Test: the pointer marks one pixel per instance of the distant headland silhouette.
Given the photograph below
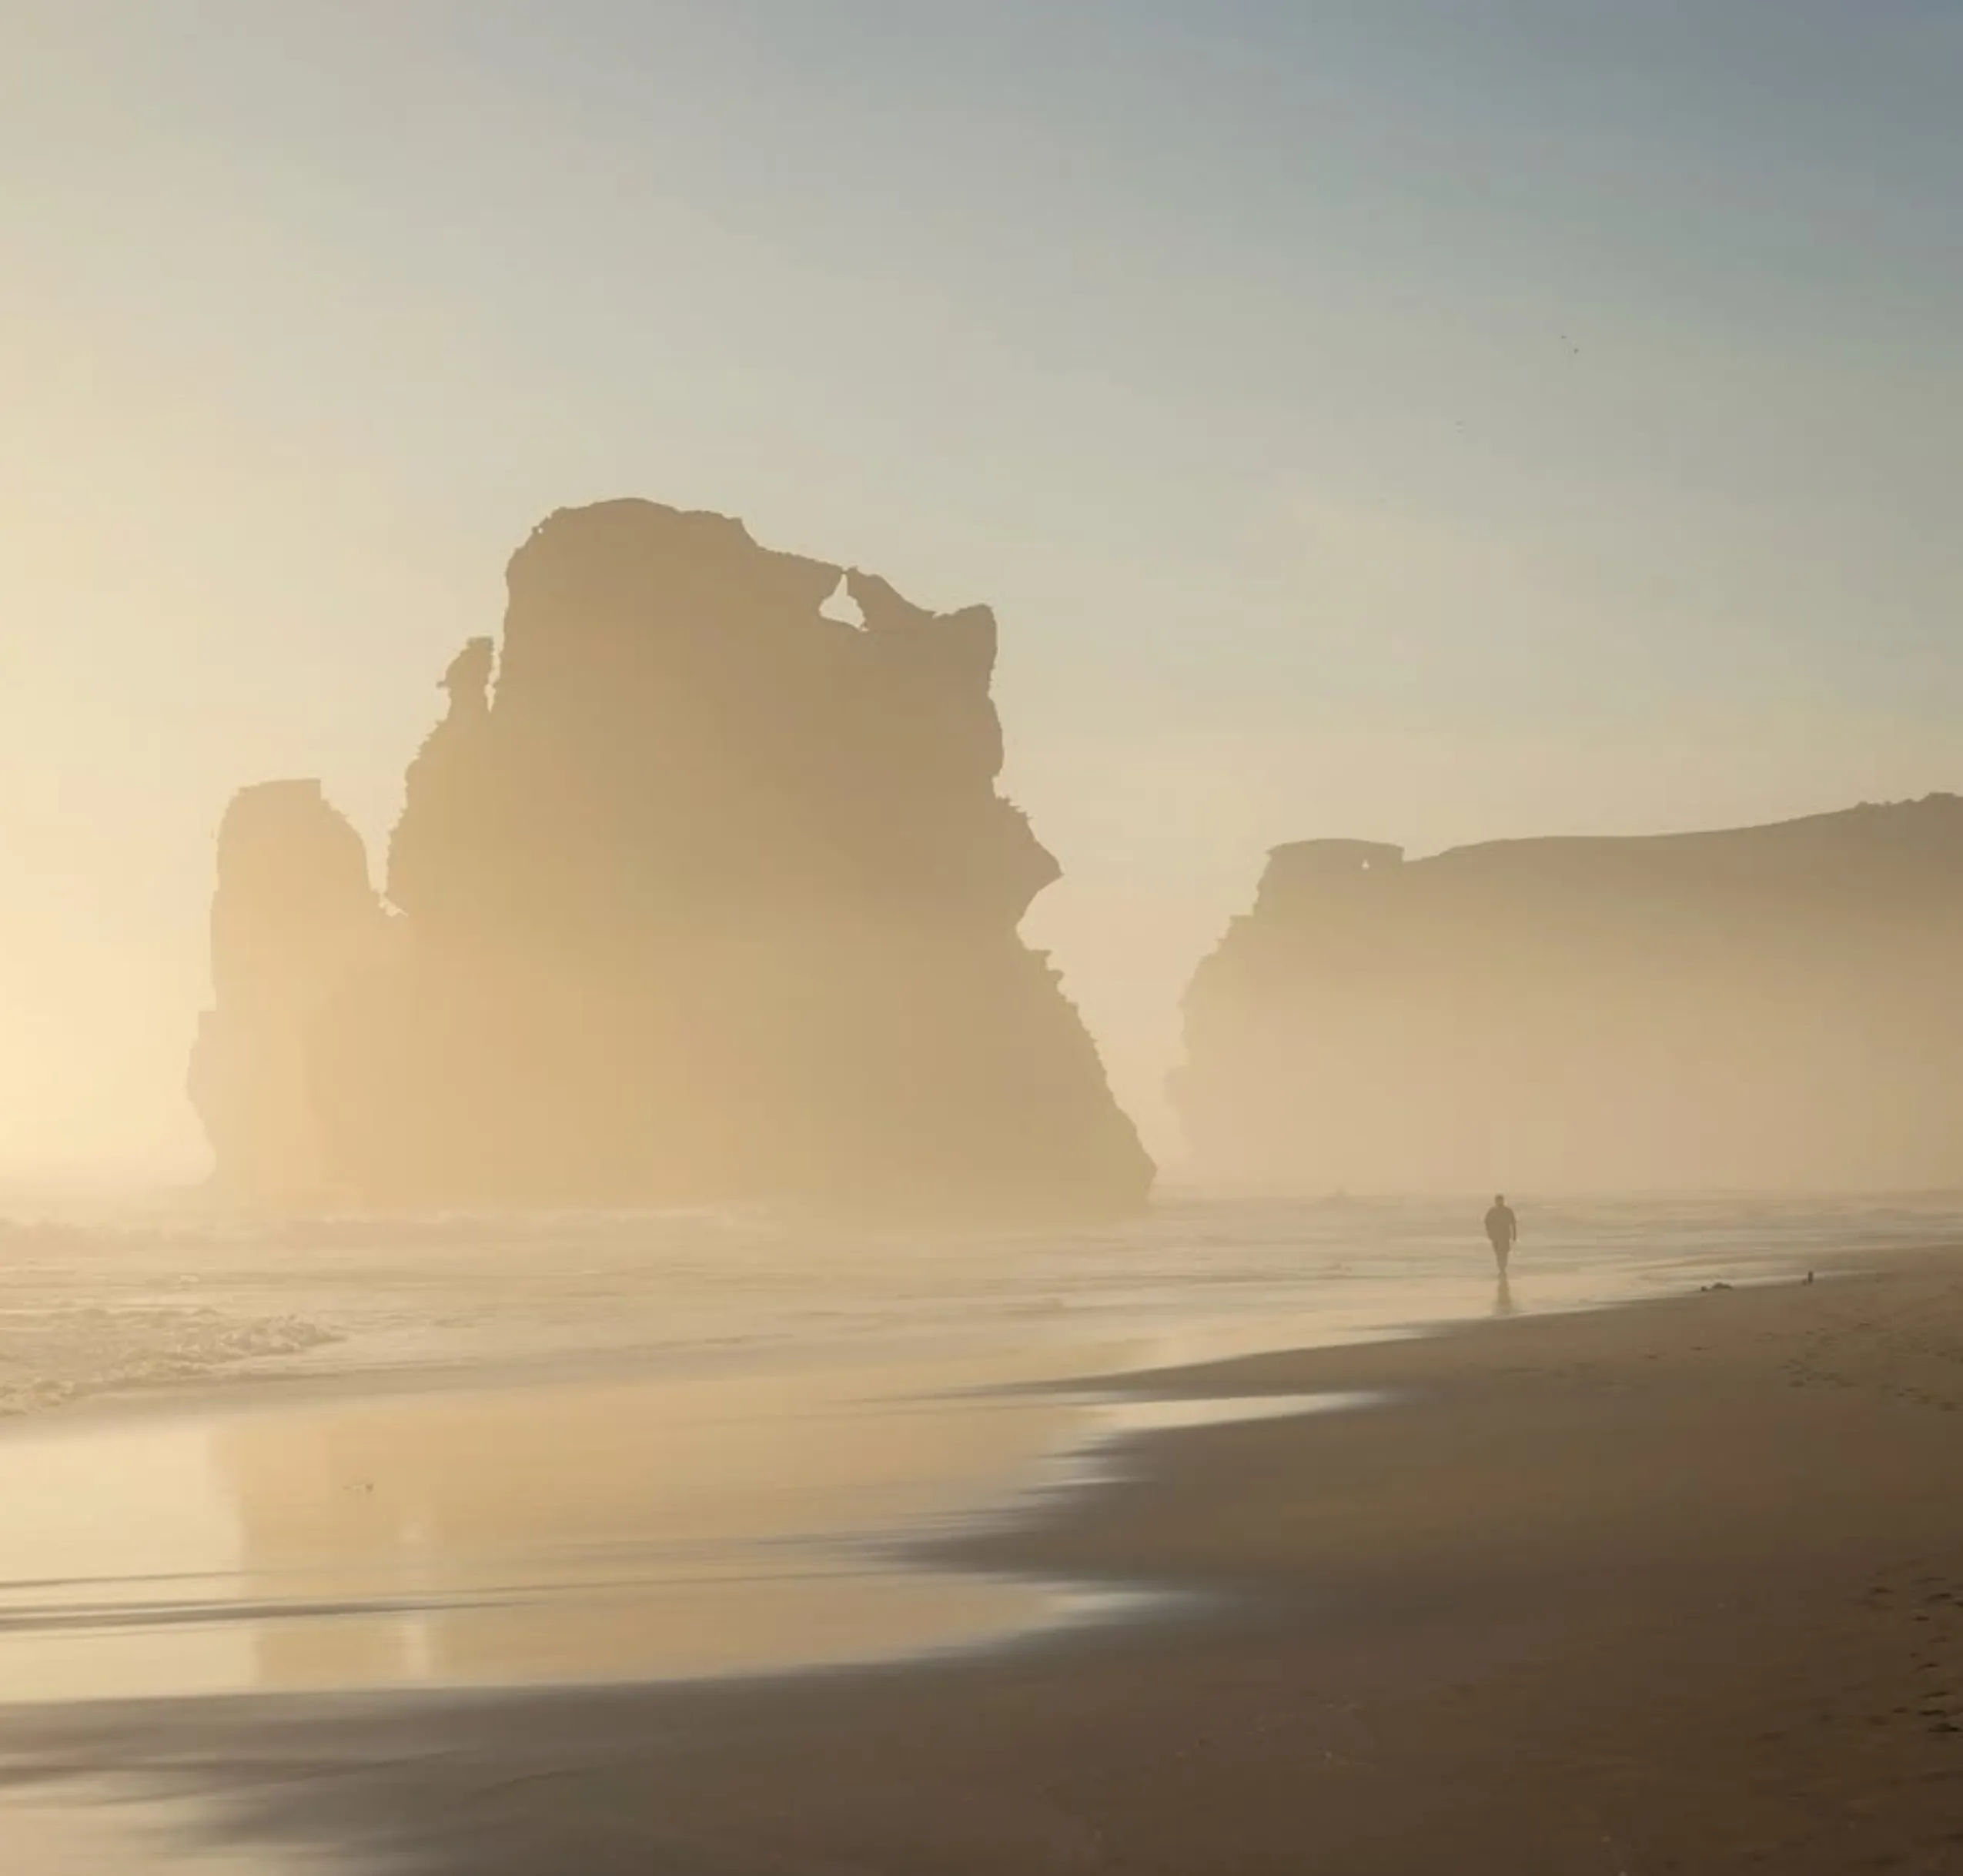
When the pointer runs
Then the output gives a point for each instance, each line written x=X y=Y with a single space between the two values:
x=700 y=893
x=1765 y=1008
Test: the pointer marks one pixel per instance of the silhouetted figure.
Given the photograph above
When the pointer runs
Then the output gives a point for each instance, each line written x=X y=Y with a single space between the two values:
x=1502 y=1228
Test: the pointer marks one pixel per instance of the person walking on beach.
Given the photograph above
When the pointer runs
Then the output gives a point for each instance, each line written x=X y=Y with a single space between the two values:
x=1502 y=1228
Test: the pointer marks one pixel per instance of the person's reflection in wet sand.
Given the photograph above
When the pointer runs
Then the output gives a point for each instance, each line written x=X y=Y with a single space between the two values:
x=1502 y=1297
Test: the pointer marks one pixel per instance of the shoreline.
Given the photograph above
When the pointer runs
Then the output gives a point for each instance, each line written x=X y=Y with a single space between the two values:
x=1675 y=1587
x=317 y=1369
x=548 y=1524
x=167 y=1311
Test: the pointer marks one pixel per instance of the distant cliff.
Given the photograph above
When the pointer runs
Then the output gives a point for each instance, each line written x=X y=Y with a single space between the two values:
x=1775 y=1007
x=701 y=892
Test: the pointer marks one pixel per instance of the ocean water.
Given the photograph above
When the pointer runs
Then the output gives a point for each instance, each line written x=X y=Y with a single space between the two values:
x=134 y=1299
x=352 y=1454
x=361 y=1456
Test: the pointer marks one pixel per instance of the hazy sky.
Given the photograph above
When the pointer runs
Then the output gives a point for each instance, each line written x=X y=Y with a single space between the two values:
x=1418 y=420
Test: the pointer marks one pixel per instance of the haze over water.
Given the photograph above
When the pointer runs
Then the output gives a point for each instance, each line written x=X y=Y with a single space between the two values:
x=476 y=1452
x=1396 y=421
x=633 y=633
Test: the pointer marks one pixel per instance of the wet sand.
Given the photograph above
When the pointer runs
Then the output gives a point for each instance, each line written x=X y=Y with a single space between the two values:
x=1675 y=1587
x=518 y=1531
x=614 y=1518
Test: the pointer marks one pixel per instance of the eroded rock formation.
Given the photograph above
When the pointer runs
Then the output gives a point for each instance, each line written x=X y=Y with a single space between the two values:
x=701 y=894
x=1760 y=1008
x=294 y=916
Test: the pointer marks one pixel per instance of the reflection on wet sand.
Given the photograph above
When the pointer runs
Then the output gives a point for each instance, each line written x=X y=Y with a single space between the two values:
x=542 y=1534
x=696 y=1524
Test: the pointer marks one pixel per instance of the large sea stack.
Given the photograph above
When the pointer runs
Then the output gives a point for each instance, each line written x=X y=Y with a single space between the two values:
x=700 y=893
x=1762 y=1008
x=295 y=917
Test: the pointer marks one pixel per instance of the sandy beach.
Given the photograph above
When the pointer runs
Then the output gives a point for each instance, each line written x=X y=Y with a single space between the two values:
x=1678 y=1587
x=1004 y=939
